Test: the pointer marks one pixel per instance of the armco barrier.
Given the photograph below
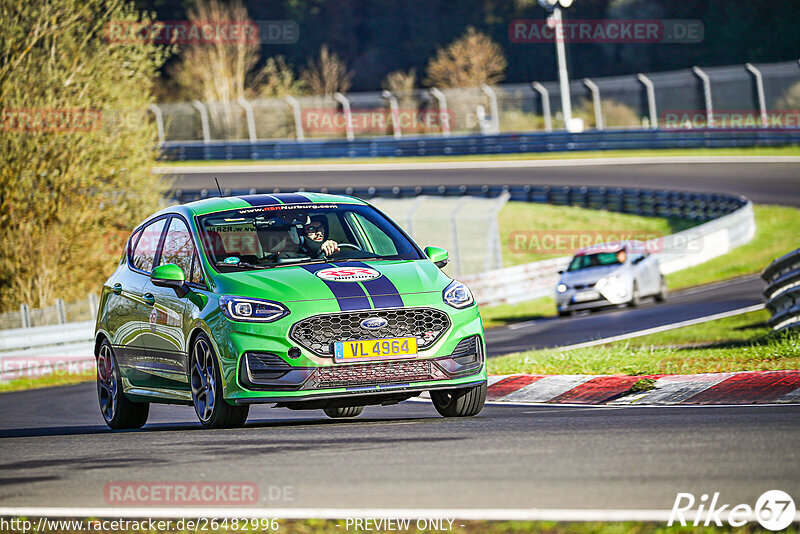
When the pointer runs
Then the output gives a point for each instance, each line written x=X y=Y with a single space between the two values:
x=727 y=222
x=513 y=143
x=29 y=352
x=783 y=291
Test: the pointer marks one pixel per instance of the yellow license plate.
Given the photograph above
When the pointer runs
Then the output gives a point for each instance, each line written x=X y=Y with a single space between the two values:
x=374 y=349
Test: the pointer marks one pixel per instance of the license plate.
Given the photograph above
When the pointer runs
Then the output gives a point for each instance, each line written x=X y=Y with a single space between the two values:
x=583 y=296
x=374 y=349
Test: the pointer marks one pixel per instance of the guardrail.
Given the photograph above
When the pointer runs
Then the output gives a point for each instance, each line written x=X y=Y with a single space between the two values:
x=783 y=291
x=27 y=352
x=727 y=221
x=511 y=143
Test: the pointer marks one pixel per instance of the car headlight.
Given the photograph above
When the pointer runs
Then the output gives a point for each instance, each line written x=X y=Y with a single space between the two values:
x=253 y=310
x=457 y=295
x=561 y=288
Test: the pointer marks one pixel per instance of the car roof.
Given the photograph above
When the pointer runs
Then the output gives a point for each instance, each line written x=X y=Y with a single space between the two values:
x=612 y=246
x=216 y=204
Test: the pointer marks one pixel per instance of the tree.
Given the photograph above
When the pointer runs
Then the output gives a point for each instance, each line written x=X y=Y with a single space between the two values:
x=76 y=145
x=469 y=61
x=327 y=75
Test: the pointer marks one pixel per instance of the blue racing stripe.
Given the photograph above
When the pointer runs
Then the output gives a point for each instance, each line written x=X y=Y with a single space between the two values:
x=291 y=198
x=382 y=291
x=260 y=200
x=349 y=295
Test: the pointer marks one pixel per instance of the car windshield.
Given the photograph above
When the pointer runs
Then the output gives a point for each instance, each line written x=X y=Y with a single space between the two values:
x=273 y=236
x=587 y=261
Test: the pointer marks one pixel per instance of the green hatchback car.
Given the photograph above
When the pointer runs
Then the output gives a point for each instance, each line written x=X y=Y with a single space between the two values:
x=299 y=300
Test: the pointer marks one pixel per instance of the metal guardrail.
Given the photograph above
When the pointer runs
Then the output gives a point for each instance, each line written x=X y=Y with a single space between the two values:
x=513 y=143
x=783 y=291
x=726 y=221
x=36 y=351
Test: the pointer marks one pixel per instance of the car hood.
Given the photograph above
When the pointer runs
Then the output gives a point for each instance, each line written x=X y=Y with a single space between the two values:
x=301 y=283
x=589 y=276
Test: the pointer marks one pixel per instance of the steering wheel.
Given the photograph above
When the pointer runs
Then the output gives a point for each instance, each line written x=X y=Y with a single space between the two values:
x=349 y=245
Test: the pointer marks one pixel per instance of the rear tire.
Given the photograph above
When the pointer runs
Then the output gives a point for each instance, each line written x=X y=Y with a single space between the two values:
x=118 y=411
x=636 y=297
x=661 y=296
x=463 y=402
x=343 y=412
x=564 y=313
x=207 y=395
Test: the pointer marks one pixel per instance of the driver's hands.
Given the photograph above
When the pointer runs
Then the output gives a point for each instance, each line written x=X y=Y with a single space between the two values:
x=330 y=247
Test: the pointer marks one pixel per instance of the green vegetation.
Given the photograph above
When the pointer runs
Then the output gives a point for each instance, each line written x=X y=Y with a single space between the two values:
x=74 y=168
x=47 y=380
x=672 y=152
x=741 y=343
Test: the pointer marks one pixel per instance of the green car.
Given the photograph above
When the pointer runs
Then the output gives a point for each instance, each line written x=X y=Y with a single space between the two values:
x=299 y=300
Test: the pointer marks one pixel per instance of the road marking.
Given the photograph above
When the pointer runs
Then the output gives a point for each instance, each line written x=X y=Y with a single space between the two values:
x=662 y=328
x=469 y=514
x=468 y=165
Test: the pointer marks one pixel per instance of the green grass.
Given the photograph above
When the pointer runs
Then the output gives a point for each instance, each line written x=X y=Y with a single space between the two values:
x=754 y=151
x=777 y=228
x=741 y=343
x=47 y=380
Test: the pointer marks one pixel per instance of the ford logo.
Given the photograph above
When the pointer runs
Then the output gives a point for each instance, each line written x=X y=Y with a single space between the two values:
x=374 y=323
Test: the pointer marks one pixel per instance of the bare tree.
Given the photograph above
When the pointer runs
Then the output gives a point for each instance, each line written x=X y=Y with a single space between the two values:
x=469 y=61
x=400 y=82
x=328 y=74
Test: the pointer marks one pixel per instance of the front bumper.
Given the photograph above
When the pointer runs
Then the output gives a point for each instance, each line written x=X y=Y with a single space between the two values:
x=257 y=366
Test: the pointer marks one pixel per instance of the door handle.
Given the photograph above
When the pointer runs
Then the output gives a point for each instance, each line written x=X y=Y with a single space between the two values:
x=149 y=299
x=117 y=289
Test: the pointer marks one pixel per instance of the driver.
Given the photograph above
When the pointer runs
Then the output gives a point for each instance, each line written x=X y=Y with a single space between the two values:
x=316 y=233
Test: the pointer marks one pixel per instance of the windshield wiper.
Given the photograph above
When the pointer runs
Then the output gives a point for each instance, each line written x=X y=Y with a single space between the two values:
x=241 y=264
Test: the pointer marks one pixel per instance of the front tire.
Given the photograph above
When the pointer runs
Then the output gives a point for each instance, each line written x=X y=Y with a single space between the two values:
x=118 y=411
x=341 y=413
x=463 y=402
x=207 y=395
x=661 y=296
x=636 y=297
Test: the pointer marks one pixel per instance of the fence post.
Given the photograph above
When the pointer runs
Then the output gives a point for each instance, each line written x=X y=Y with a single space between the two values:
x=298 y=120
x=348 y=117
x=159 y=122
x=199 y=106
x=762 y=105
x=651 y=99
x=545 y=94
x=251 y=121
x=25 y=315
x=493 y=251
x=395 y=108
x=706 y=94
x=410 y=214
x=454 y=235
x=61 y=311
x=598 y=111
x=492 y=107
x=93 y=305
x=444 y=118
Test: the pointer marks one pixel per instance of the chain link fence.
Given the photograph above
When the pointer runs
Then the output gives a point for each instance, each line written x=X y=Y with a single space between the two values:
x=60 y=312
x=677 y=99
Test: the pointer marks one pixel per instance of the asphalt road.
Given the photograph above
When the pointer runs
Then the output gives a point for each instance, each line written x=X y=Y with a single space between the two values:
x=680 y=306
x=55 y=451
x=765 y=183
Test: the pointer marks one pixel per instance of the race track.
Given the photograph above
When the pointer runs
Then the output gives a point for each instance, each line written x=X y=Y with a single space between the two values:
x=55 y=451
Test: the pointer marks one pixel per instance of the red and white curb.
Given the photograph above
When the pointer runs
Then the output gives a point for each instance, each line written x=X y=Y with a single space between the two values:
x=748 y=387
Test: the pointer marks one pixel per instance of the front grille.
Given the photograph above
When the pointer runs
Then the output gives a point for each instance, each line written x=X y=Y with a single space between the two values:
x=375 y=373
x=318 y=333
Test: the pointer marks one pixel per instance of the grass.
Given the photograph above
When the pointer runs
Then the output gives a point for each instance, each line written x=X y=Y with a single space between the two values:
x=741 y=343
x=752 y=151
x=777 y=228
x=55 y=378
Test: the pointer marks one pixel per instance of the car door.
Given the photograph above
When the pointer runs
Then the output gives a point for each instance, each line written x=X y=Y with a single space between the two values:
x=130 y=337
x=165 y=339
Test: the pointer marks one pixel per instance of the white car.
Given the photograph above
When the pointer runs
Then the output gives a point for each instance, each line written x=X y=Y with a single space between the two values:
x=611 y=274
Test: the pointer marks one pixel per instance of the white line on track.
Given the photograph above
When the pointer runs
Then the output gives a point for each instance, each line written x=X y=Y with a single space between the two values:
x=467 y=165
x=662 y=328
x=501 y=514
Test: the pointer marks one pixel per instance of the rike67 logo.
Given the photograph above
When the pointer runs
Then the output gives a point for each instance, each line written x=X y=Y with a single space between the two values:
x=774 y=510
x=348 y=274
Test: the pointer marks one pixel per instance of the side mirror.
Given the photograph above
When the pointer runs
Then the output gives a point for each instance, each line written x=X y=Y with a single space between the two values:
x=561 y=272
x=170 y=275
x=638 y=260
x=438 y=256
